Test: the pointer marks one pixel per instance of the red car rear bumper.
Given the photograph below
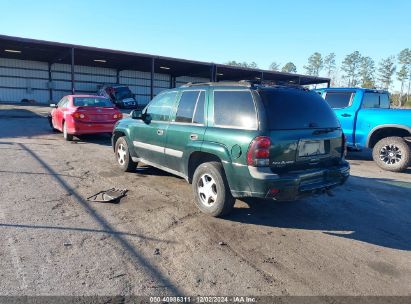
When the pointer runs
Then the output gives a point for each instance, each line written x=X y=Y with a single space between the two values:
x=79 y=128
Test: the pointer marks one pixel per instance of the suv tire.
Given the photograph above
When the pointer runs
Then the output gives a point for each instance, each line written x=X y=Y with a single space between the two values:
x=123 y=157
x=211 y=191
x=67 y=136
x=392 y=154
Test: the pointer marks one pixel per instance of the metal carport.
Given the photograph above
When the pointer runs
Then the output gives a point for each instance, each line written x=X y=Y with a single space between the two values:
x=156 y=72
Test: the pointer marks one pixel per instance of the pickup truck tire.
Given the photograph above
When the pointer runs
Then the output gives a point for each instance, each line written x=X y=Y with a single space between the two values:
x=392 y=154
x=211 y=191
x=123 y=158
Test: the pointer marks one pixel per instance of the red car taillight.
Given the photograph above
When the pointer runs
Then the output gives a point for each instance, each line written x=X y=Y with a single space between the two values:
x=344 y=145
x=258 y=154
x=78 y=115
x=118 y=116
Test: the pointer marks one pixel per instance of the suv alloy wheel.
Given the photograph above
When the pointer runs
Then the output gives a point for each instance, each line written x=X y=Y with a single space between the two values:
x=123 y=157
x=211 y=190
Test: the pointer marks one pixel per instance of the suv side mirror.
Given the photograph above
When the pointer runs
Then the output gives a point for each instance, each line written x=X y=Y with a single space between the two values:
x=53 y=105
x=137 y=114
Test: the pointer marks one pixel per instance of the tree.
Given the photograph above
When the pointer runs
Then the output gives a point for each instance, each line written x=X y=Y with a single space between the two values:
x=385 y=72
x=274 y=66
x=233 y=62
x=405 y=59
x=315 y=64
x=252 y=65
x=367 y=70
x=289 y=67
x=329 y=64
x=402 y=76
x=350 y=66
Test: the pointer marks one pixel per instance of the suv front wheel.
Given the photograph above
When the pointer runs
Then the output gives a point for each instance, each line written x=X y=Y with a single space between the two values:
x=123 y=157
x=211 y=190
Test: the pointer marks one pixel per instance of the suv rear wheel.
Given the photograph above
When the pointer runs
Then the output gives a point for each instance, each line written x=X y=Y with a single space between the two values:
x=123 y=157
x=392 y=154
x=211 y=190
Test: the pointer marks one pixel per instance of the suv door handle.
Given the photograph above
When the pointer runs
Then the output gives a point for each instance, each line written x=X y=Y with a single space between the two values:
x=346 y=115
x=160 y=132
x=193 y=136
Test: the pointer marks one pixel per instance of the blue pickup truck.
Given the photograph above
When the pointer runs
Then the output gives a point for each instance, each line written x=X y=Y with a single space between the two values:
x=369 y=122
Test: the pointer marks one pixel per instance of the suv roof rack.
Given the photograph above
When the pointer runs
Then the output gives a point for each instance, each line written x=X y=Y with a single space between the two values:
x=220 y=83
x=248 y=83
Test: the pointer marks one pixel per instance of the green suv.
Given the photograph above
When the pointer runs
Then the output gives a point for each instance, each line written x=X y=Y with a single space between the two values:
x=232 y=140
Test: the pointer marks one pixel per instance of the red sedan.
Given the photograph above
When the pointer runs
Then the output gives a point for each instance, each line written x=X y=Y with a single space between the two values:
x=83 y=114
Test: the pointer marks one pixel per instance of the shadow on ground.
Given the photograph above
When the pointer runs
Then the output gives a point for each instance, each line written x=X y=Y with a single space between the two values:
x=365 y=155
x=139 y=260
x=376 y=211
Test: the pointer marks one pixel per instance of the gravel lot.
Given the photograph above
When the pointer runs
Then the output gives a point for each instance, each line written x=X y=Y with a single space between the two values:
x=54 y=242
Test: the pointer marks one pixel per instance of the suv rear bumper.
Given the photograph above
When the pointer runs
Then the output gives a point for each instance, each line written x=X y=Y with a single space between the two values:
x=293 y=185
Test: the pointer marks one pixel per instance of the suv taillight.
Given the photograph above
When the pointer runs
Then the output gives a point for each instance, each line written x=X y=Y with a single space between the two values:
x=344 y=145
x=258 y=154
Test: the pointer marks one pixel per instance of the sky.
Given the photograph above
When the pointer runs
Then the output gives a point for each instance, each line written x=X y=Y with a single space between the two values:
x=218 y=31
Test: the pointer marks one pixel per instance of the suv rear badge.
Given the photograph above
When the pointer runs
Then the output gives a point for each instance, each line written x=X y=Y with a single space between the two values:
x=283 y=163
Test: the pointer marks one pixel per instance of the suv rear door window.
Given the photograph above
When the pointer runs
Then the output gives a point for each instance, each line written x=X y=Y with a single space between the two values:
x=199 y=112
x=289 y=109
x=187 y=106
x=160 y=107
x=339 y=100
x=234 y=109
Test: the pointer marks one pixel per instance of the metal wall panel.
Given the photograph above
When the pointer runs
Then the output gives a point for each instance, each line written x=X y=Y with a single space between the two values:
x=139 y=83
x=16 y=63
x=16 y=95
x=29 y=79
x=185 y=79
x=57 y=95
x=23 y=79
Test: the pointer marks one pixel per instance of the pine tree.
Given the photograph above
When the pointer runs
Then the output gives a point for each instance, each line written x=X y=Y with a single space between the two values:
x=351 y=66
x=385 y=72
x=274 y=66
x=289 y=67
x=405 y=58
x=315 y=64
x=367 y=70
x=402 y=76
x=329 y=64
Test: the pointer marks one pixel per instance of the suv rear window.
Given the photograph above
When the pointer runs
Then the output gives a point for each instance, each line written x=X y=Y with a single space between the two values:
x=339 y=100
x=234 y=109
x=297 y=109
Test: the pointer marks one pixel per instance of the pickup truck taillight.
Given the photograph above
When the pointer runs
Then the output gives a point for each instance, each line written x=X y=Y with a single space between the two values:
x=343 y=145
x=258 y=154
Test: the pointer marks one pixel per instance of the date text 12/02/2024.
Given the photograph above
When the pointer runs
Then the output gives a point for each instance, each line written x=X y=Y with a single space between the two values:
x=203 y=299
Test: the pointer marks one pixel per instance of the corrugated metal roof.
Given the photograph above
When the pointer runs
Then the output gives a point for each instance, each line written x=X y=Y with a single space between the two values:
x=57 y=52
